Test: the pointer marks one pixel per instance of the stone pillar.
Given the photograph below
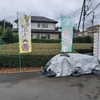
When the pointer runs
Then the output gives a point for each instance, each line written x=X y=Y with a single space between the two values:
x=96 y=50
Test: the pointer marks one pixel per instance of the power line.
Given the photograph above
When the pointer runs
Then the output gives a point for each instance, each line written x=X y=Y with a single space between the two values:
x=97 y=15
x=83 y=7
x=92 y=10
x=69 y=14
x=90 y=4
x=80 y=15
x=74 y=11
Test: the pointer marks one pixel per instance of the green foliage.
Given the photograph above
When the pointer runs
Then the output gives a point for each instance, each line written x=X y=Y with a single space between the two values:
x=88 y=39
x=15 y=38
x=75 y=30
x=1 y=30
x=83 y=51
x=46 y=40
x=26 y=60
x=8 y=35
x=0 y=40
x=9 y=61
x=40 y=55
x=84 y=39
x=80 y=39
x=7 y=24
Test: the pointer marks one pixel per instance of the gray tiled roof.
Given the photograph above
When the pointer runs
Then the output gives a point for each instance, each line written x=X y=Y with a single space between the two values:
x=40 y=19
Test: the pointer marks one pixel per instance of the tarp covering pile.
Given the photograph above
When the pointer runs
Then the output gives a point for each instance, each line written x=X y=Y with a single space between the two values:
x=71 y=64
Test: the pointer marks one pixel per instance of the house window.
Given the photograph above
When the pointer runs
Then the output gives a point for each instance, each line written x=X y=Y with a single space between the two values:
x=31 y=35
x=48 y=36
x=44 y=25
x=38 y=36
x=43 y=37
x=38 y=24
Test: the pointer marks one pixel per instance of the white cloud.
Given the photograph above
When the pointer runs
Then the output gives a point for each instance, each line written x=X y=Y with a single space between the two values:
x=48 y=8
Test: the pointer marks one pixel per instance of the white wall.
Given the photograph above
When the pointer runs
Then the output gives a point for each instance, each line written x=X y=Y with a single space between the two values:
x=51 y=26
x=52 y=36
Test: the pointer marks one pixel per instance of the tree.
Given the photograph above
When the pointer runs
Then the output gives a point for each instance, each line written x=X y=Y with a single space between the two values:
x=57 y=28
x=1 y=30
x=8 y=35
x=75 y=31
x=5 y=24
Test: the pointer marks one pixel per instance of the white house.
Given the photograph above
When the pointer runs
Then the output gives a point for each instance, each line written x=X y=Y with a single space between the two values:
x=42 y=27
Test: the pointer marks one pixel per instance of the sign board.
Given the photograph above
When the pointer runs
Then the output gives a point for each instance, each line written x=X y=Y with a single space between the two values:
x=24 y=32
x=67 y=34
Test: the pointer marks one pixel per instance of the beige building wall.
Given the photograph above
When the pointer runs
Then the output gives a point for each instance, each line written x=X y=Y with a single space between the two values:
x=52 y=36
x=34 y=35
x=51 y=26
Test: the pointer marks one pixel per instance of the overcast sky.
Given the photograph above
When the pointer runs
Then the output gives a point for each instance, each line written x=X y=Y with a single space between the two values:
x=48 y=8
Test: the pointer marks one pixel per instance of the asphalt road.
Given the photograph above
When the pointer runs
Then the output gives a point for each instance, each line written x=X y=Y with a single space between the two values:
x=33 y=86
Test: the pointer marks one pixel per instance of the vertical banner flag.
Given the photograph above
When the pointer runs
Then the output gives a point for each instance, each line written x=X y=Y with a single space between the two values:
x=67 y=34
x=24 y=33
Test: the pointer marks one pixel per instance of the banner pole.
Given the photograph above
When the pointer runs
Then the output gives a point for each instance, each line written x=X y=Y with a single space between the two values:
x=0 y=49
x=61 y=35
x=18 y=47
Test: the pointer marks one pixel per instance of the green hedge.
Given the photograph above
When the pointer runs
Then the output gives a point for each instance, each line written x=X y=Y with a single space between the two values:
x=83 y=51
x=15 y=38
x=84 y=39
x=79 y=39
x=26 y=60
x=12 y=61
x=46 y=40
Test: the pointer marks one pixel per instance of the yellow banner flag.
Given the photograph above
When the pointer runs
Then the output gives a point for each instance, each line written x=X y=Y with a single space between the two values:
x=24 y=33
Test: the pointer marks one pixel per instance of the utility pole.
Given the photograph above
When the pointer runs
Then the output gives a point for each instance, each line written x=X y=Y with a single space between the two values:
x=80 y=17
x=84 y=13
x=92 y=22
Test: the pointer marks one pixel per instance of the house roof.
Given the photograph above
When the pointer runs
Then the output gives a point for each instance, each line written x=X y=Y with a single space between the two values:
x=93 y=26
x=40 y=19
x=93 y=29
x=39 y=31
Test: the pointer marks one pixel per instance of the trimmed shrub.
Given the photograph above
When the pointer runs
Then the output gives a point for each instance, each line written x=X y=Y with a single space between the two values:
x=46 y=40
x=80 y=39
x=15 y=38
x=8 y=35
x=84 y=39
x=83 y=51
x=88 y=39
x=26 y=60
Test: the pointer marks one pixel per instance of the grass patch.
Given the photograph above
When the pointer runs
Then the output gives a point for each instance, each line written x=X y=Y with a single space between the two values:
x=41 y=48
x=40 y=55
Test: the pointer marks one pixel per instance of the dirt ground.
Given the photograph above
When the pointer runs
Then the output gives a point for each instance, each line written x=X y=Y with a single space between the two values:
x=16 y=70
